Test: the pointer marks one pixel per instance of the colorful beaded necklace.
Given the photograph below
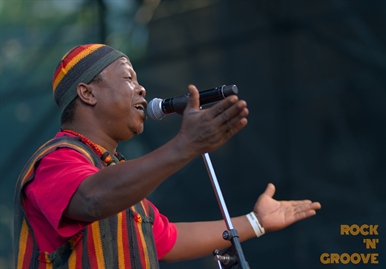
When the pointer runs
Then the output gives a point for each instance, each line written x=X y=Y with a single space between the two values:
x=106 y=157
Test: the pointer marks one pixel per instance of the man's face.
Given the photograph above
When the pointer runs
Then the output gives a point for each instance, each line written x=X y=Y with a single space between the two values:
x=120 y=101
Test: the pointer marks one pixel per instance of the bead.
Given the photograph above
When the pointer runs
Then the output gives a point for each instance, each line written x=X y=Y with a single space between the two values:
x=105 y=156
x=108 y=159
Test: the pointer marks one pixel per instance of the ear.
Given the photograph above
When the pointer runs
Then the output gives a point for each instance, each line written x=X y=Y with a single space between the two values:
x=85 y=93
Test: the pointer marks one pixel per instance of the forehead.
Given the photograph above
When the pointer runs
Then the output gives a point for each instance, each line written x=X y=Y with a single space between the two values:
x=119 y=64
x=124 y=62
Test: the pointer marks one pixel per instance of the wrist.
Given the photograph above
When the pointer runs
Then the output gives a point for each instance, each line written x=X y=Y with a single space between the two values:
x=178 y=147
x=256 y=226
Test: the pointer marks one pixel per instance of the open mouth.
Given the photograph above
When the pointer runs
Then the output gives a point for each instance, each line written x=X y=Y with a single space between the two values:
x=139 y=107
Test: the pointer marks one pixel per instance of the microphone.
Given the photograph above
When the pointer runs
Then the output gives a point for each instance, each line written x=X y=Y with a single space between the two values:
x=159 y=108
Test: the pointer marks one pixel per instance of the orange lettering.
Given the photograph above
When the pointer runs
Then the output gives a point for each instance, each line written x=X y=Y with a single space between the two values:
x=365 y=258
x=324 y=258
x=374 y=258
x=355 y=258
x=334 y=258
x=363 y=232
x=354 y=229
x=373 y=229
x=344 y=229
x=344 y=258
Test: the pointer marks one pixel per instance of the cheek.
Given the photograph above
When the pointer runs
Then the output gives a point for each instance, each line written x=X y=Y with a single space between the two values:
x=115 y=108
x=120 y=100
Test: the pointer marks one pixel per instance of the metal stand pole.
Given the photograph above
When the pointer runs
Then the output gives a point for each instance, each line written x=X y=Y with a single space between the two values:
x=233 y=257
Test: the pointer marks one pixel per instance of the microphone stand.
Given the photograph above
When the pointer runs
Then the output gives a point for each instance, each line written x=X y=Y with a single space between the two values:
x=232 y=257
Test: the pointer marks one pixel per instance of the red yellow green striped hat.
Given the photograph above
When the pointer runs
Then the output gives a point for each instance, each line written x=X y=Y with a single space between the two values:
x=80 y=64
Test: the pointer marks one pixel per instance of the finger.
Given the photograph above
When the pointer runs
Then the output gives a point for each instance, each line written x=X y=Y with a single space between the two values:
x=304 y=215
x=234 y=125
x=306 y=205
x=300 y=202
x=234 y=110
x=194 y=98
x=233 y=118
x=316 y=205
x=222 y=106
x=233 y=115
x=270 y=190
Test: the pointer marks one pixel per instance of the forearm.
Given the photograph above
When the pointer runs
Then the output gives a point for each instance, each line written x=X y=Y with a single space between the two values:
x=118 y=187
x=197 y=239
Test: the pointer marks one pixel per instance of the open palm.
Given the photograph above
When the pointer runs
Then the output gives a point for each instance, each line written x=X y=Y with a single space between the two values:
x=275 y=215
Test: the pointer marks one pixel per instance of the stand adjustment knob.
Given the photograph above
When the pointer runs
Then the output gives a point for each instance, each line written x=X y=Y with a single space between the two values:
x=224 y=259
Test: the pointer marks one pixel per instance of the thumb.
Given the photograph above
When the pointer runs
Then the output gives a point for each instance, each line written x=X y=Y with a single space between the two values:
x=270 y=190
x=194 y=98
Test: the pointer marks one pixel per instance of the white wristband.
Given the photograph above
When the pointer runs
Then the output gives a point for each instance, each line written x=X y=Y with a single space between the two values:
x=259 y=231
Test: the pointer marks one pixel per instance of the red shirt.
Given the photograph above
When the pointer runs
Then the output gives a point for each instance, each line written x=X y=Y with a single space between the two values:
x=57 y=177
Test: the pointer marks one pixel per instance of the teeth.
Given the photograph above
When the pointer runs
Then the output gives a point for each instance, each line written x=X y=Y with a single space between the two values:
x=139 y=107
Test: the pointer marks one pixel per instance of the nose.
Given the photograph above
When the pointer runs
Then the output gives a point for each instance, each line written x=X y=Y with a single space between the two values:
x=141 y=91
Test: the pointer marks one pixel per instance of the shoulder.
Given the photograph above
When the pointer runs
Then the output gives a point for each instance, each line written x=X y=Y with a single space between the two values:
x=64 y=155
x=66 y=146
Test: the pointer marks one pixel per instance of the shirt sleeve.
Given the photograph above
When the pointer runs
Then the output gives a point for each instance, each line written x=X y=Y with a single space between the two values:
x=57 y=178
x=165 y=233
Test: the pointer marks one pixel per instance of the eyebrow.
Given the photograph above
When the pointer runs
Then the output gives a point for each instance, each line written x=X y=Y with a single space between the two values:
x=130 y=69
x=127 y=62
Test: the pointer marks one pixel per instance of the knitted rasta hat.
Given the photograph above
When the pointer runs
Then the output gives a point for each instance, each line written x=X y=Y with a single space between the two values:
x=80 y=64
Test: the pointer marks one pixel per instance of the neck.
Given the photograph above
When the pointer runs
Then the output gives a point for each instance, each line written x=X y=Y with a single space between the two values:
x=96 y=137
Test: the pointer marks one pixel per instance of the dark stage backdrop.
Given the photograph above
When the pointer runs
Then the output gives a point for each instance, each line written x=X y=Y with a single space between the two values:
x=312 y=72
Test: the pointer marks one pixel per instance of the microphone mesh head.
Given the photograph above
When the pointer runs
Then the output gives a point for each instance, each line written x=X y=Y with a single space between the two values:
x=154 y=109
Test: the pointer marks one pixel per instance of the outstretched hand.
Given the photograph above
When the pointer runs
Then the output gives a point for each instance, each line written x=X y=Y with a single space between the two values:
x=205 y=130
x=275 y=215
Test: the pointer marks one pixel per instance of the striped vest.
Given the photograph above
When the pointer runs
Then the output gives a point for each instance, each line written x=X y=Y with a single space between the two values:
x=122 y=241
